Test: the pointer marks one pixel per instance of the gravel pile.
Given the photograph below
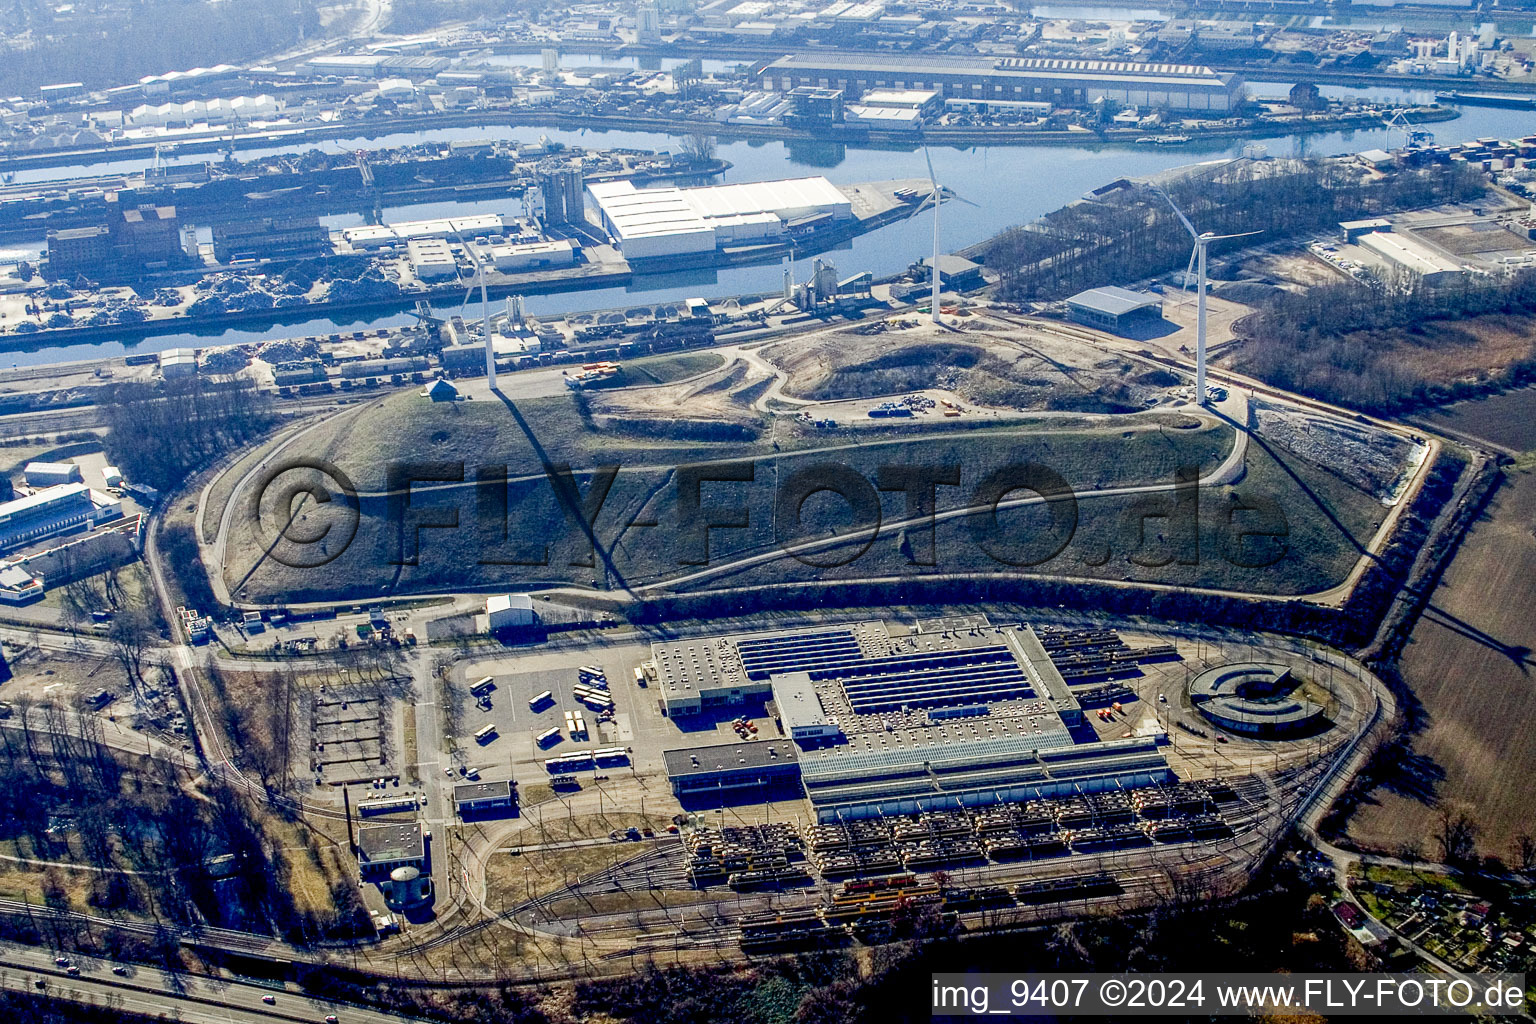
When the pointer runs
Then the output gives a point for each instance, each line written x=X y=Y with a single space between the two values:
x=1370 y=459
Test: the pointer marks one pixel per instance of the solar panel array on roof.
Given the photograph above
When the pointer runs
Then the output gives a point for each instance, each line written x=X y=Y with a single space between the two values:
x=974 y=675
x=800 y=652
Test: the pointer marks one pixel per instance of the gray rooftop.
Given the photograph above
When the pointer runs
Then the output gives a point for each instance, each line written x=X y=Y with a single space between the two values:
x=795 y=697
x=743 y=756
x=474 y=792
x=1042 y=670
x=386 y=843
x=951 y=265
x=1253 y=693
x=1114 y=301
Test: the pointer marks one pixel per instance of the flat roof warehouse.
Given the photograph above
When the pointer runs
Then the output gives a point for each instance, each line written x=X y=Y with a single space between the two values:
x=1064 y=82
x=673 y=221
x=880 y=692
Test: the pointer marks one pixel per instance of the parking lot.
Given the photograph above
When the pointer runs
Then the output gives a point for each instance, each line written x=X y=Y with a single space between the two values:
x=637 y=723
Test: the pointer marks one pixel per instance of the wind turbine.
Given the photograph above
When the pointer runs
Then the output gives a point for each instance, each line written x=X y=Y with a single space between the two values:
x=1202 y=243
x=937 y=196
x=485 y=303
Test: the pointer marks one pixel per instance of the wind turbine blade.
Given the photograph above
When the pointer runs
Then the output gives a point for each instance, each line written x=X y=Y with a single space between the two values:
x=1223 y=238
x=922 y=205
x=931 y=179
x=956 y=196
x=1177 y=212
x=1189 y=271
x=928 y=200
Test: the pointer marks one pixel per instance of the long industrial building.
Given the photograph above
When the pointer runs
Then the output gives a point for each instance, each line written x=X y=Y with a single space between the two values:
x=1060 y=81
x=1411 y=255
x=891 y=720
x=53 y=510
x=473 y=225
x=660 y=222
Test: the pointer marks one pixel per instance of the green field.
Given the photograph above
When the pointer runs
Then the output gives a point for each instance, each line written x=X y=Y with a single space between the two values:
x=538 y=542
x=1324 y=520
x=667 y=369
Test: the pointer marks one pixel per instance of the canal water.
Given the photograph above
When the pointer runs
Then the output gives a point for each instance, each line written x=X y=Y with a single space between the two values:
x=1009 y=184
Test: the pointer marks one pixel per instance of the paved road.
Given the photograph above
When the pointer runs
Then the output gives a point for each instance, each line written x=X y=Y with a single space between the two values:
x=156 y=993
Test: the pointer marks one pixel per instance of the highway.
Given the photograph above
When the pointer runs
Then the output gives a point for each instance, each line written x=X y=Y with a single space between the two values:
x=157 y=993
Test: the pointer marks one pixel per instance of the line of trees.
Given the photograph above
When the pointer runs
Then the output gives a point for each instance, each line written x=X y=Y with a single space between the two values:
x=1344 y=341
x=158 y=433
x=1132 y=233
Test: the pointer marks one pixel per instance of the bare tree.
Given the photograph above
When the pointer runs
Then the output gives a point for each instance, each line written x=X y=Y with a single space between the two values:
x=80 y=597
x=698 y=147
x=130 y=634
x=25 y=704
x=1457 y=835
x=1525 y=852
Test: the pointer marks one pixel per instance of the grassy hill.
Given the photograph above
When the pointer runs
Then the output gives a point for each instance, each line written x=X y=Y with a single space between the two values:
x=538 y=542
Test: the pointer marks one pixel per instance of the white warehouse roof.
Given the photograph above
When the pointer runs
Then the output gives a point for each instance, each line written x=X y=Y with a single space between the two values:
x=475 y=225
x=791 y=197
x=898 y=98
x=508 y=602
x=668 y=221
x=885 y=117
x=1409 y=253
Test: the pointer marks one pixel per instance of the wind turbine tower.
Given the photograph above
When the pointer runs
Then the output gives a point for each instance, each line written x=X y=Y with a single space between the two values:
x=485 y=305
x=936 y=197
x=1198 y=256
x=933 y=266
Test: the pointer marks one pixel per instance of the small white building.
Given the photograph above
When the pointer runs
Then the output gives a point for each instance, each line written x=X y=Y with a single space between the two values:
x=799 y=708
x=1376 y=159
x=506 y=610
x=560 y=252
x=51 y=474
x=884 y=119
x=397 y=89
x=111 y=476
x=924 y=101
x=480 y=797
x=17 y=585
x=177 y=362
x=432 y=259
